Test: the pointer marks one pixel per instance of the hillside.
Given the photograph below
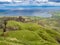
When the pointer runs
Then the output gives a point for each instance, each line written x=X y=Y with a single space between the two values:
x=29 y=34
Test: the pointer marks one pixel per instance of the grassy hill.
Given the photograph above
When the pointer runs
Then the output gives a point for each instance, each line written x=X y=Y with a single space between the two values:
x=29 y=34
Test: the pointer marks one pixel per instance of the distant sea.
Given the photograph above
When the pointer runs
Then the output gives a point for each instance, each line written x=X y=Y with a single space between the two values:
x=43 y=11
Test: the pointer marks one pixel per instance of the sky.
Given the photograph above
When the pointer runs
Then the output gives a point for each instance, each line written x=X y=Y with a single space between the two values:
x=34 y=0
x=27 y=4
x=5 y=0
x=19 y=3
x=20 y=0
x=37 y=2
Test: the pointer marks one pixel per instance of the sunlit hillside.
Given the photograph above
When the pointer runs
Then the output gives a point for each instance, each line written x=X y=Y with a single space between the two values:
x=31 y=31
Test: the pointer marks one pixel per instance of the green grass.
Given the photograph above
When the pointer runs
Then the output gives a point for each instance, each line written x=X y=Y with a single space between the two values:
x=23 y=26
x=29 y=34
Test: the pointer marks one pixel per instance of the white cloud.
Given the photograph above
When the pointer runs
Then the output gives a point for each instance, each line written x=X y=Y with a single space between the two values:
x=42 y=0
x=6 y=0
x=25 y=0
x=36 y=2
x=54 y=3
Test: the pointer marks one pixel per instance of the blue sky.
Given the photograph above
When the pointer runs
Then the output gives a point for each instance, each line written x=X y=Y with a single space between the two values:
x=28 y=4
x=33 y=2
x=36 y=3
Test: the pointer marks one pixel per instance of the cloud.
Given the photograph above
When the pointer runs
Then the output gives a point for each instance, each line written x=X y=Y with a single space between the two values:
x=30 y=3
x=54 y=0
x=42 y=0
x=54 y=3
x=5 y=0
